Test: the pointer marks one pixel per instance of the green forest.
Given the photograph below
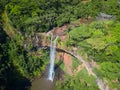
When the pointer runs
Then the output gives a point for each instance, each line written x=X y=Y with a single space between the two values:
x=92 y=28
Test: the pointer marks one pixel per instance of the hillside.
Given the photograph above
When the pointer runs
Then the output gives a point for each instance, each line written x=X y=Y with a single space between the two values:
x=87 y=45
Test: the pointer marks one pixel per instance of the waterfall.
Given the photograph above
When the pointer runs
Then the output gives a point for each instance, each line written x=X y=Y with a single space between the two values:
x=52 y=58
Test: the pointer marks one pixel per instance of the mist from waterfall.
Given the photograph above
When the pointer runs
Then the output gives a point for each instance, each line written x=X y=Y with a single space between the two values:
x=52 y=58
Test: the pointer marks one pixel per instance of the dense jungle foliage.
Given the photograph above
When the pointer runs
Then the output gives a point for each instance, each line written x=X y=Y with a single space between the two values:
x=100 y=40
x=21 y=19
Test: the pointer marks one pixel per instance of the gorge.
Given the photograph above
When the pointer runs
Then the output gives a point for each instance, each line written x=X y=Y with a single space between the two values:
x=60 y=45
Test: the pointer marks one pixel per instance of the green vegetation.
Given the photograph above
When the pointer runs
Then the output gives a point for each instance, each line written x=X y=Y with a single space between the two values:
x=81 y=82
x=17 y=65
x=43 y=15
x=22 y=20
x=75 y=63
x=100 y=40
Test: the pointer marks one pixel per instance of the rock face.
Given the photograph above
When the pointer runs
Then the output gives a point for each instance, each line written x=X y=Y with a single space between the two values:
x=59 y=31
x=67 y=60
x=103 y=16
x=68 y=63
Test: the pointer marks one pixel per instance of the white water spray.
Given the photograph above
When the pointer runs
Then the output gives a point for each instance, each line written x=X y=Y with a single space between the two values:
x=52 y=59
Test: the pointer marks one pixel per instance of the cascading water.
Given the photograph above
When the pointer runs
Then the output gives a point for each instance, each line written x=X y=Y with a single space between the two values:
x=52 y=58
x=51 y=74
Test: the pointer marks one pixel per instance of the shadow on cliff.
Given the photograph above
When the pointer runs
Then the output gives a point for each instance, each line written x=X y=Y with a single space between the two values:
x=11 y=79
x=10 y=76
